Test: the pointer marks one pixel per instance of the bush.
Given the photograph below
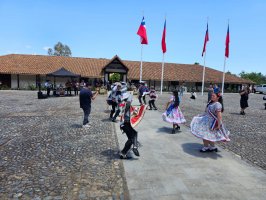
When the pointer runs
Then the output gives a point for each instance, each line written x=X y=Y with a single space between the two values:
x=4 y=87
x=31 y=87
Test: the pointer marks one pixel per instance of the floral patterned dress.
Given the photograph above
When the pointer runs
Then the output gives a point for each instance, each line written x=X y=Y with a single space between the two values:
x=203 y=126
x=173 y=114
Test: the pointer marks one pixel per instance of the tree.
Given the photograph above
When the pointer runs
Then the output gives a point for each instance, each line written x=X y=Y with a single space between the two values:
x=258 y=78
x=114 y=77
x=60 y=50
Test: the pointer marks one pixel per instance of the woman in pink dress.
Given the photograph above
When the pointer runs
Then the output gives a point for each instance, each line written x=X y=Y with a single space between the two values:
x=173 y=112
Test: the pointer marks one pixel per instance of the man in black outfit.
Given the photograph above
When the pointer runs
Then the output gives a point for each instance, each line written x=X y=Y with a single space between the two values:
x=128 y=129
x=85 y=97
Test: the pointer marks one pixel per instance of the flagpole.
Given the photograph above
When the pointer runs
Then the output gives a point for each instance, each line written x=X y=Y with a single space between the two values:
x=140 y=75
x=162 y=75
x=223 y=75
x=203 y=75
x=204 y=66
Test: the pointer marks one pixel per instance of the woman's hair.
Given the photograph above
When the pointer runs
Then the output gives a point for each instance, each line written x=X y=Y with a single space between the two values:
x=176 y=102
x=220 y=100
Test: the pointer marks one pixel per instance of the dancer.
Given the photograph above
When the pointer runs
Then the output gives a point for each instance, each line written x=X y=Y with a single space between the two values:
x=153 y=97
x=125 y=126
x=209 y=126
x=173 y=112
x=143 y=90
x=117 y=90
x=116 y=99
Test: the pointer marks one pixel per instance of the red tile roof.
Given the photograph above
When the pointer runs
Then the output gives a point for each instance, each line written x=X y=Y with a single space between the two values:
x=92 y=67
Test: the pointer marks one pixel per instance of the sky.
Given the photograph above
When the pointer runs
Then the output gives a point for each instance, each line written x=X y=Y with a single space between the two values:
x=105 y=28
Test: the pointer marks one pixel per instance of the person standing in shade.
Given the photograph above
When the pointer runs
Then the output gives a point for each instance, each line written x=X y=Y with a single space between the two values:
x=85 y=97
x=48 y=85
x=210 y=91
x=181 y=90
x=209 y=126
x=244 y=99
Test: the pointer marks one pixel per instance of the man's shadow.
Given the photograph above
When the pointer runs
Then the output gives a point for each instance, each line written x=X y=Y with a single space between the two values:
x=114 y=154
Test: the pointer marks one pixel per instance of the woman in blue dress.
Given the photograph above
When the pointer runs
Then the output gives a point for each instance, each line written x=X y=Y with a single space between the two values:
x=209 y=126
x=173 y=113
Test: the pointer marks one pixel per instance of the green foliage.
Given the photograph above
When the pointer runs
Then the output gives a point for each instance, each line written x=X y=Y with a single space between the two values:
x=258 y=78
x=31 y=87
x=60 y=50
x=4 y=87
x=115 y=77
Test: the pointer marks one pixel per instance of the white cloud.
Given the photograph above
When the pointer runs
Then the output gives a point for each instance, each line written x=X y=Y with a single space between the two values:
x=46 y=48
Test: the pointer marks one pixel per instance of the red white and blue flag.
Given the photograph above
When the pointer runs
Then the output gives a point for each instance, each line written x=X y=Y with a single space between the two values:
x=142 y=32
x=163 y=38
x=205 y=41
x=227 y=41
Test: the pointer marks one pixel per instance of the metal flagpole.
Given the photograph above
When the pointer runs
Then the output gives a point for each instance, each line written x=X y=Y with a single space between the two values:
x=203 y=75
x=223 y=76
x=162 y=75
x=140 y=74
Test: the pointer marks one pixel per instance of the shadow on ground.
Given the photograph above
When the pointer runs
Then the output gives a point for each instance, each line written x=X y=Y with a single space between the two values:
x=193 y=149
x=167 y=130
x=76 y=126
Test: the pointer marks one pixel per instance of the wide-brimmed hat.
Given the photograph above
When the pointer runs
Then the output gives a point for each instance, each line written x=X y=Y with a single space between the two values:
x=118 y=84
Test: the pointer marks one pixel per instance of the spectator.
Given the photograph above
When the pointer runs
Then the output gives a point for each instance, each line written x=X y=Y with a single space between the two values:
x=244 y=99
x=85 y=97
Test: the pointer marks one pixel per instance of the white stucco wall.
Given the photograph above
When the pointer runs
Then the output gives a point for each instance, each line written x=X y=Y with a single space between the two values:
x=24 y=81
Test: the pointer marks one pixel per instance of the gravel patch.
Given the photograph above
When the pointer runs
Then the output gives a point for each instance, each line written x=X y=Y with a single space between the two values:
x=46 y=154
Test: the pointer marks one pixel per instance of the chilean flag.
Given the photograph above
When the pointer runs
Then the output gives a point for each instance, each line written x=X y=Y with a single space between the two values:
x=163 y=38
x=142 y=32
x=205 y=41
x=227 y=41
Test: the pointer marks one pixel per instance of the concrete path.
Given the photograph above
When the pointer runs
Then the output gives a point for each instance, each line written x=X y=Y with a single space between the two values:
x=170 y=167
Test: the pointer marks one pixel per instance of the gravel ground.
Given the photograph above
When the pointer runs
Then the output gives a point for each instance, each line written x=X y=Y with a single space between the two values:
x=46 y=154
x=248 y=132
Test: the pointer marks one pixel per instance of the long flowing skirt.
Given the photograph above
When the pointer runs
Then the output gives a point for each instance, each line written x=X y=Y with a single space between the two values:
x=201 y=127
x=175 y=116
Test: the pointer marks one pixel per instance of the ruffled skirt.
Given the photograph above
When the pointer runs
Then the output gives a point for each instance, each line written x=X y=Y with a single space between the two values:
x=175 y=116
x=201 y=127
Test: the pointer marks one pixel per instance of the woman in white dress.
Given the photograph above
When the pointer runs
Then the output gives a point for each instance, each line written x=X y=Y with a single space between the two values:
x=209 y=126
x=173 y=113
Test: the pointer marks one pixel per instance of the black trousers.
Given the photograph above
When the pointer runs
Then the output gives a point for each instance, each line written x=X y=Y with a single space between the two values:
x=132 y=135
x=48 y=91
x=86 y=112
x=152 y=103
x=114 y=106
x=76 y=91
x=143 y=97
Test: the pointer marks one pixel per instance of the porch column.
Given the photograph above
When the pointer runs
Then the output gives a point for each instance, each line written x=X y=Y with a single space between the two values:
x=18 y=80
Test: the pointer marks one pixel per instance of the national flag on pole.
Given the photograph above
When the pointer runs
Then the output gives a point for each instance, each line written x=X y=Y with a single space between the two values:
x=163 y=38
x=205 y=41
x=142 y=32
x=227 y=41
